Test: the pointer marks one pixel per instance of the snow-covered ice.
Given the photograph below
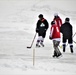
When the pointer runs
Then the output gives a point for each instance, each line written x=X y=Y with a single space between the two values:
x=17 y=28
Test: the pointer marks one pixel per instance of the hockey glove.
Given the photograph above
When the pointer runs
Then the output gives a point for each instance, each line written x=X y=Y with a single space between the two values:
x=50 y=38
x=45 y=30
x=37 y=30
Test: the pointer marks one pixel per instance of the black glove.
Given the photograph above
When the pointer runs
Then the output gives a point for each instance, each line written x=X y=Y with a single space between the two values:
x=45 y=30
x=50 y=38
x=37 y=30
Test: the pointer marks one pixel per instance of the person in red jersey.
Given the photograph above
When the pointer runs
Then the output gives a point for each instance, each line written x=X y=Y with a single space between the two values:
x=58 y=20
x=55 y=36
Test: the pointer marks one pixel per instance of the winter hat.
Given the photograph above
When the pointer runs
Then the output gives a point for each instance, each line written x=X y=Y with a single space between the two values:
x=40 y=16
x=67 y=19
x=52 y=22
x=55 y=14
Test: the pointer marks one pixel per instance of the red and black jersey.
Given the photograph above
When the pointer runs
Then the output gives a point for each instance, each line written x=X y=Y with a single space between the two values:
x=54 y=32
x=42 y=25
x=58 y=21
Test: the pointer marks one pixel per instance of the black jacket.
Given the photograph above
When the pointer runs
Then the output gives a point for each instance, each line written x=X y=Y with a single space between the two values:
x=42 y=26
x=66 y=30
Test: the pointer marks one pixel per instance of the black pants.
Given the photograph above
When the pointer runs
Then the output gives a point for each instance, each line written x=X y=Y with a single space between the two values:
x=70 y=41
x=42 y=34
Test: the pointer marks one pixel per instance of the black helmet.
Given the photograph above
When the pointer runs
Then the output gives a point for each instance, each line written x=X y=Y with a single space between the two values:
x=40 y=16
x=67 y=19
x=52 y=22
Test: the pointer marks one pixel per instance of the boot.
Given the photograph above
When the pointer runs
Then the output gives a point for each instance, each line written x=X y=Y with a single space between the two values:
x=71 y=48
x=37 y=44
x=59 y=54
x=42 y=43
x=55 y=54
x=64 y=48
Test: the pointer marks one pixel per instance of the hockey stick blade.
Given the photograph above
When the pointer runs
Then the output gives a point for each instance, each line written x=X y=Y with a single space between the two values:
x=32 y=41
x=28 y=47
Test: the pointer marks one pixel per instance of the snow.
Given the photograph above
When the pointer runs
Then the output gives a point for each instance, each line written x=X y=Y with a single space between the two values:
x=17 y=29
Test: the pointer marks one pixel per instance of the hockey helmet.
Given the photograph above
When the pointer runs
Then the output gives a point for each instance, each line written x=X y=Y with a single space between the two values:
x=52 y=22
x=67 y=19
x=40 y=16
x=55 y=14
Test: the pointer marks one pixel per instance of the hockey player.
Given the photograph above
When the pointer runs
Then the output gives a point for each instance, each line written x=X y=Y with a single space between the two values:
x=66 y=30
x=58 y=20
x=55 y=36
x=41 y=28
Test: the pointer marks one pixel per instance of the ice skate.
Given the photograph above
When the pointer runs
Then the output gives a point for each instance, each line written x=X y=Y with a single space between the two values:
x=71 y=50
x=60 y=54
x=37 y=45
x=55 y=54
x=42 y=44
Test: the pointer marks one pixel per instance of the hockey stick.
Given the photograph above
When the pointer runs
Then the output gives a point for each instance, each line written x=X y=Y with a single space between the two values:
x=73 y=36
x=74 y=42
x=32 y=41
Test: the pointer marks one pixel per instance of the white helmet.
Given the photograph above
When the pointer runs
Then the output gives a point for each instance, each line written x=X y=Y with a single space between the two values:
x=55 y=14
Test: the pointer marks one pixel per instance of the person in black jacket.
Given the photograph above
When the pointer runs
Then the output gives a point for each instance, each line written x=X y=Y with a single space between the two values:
x=41 y=28
x=67 y=30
